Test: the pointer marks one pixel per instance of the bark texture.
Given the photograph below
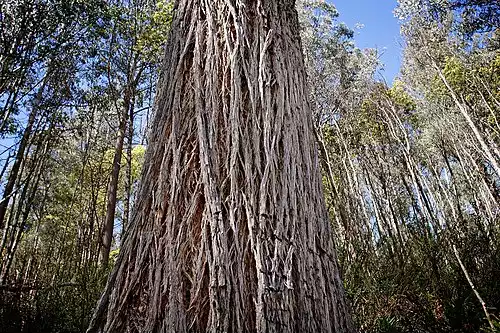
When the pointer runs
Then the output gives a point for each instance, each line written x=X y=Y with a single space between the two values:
x=230 y=231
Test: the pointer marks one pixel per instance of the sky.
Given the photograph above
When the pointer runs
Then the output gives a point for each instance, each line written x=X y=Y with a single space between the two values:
x=381 y=30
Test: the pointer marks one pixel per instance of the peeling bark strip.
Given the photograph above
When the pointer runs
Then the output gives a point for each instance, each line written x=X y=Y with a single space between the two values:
x=230 y=232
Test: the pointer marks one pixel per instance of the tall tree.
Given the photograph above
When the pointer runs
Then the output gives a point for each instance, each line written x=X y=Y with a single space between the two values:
x=132 y=53
x=231 y=232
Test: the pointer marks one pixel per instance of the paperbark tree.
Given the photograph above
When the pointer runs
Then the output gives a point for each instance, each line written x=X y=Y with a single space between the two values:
x=230 y=231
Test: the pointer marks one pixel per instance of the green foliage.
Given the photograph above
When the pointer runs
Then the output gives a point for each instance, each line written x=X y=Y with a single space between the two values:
x=370 y=124
x=472 y=17
x=455 y=74
x=156 y=26
x=64 y=308
x=83 y=53
x=429 y=293
x=404 y=161
x=477 y=83
x=138 y=153
x=387 y=325
x=113 y=255
x=494 y=329
x=400 y=97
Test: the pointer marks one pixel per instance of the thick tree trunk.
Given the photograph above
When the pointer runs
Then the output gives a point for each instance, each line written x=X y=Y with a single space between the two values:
x=230 y=231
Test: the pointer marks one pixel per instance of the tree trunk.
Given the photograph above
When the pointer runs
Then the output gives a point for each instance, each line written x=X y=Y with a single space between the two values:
x=230 y=231
x=14 y=172
x=128 y=172
x=109 y=221
x=463 y=110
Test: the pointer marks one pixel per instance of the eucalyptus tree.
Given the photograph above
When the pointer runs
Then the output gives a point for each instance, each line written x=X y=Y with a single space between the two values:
x=44 y=52
x=231 y=233
x=409 y=176
x=426 y=157
x=339 y=75
x=41 y=44
x=131 y=50
x=37 y=38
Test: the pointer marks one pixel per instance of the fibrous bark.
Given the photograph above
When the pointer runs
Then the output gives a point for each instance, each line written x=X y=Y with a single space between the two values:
x=230 y=231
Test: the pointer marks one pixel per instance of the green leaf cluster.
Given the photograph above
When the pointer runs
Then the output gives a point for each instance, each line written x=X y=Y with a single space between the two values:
x=156 y=27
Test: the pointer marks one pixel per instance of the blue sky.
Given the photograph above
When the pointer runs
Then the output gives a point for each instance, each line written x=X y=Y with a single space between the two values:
x=381 y=29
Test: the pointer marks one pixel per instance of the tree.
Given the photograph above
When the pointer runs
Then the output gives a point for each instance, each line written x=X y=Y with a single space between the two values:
x=231 y=232
x=133 y=41
x=38 y=88
x=66 y=103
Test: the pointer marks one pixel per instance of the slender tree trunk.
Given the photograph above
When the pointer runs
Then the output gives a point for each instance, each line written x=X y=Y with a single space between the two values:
x=478 y=296
x=128 y=172
x=14 y=172
x=231 y=232
x=23 y=209
x=463 y=110
x=109 y=220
